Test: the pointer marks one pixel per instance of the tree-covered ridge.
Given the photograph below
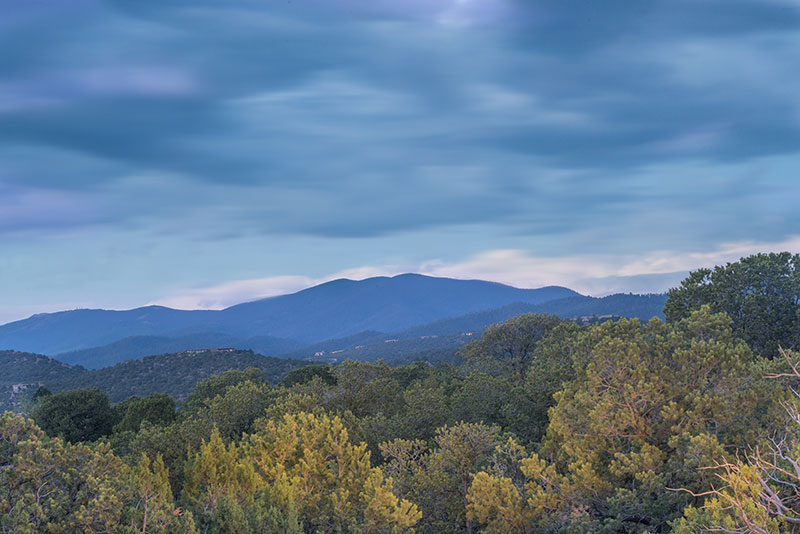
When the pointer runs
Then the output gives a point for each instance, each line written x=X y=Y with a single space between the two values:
x=27 y=367
x=140 y=346
x=547 y=426
x=175 y=374
x=22 y=372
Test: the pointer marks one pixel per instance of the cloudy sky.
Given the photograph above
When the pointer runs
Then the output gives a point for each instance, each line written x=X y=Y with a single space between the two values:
x=198 y=153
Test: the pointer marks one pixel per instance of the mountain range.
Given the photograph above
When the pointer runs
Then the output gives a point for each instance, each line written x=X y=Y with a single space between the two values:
x=334 y=316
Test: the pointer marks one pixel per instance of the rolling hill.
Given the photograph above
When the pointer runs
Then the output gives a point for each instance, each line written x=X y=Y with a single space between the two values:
x=175 y=374
x=139 y=346
x=22 y=372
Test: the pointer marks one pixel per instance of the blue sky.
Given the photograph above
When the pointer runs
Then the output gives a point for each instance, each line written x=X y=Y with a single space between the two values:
x=199 y=153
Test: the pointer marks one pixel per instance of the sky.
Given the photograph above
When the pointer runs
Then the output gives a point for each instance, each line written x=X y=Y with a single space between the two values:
x=200 y=153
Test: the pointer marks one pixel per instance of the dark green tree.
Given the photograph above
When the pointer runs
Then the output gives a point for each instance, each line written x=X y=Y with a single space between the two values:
x=364 y=389
x=236 y=409
x=75 y=415
x=41 y=393
x=158 y=409
x=760 y=293
x=301 y=375
x=507 y=348
x=209 y=388
x=551 y=366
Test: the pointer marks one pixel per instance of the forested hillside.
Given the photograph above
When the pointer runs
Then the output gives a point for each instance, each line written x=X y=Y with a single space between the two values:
x=139 y=346
x=22 y=372
x=175 y=374
x=548 y=426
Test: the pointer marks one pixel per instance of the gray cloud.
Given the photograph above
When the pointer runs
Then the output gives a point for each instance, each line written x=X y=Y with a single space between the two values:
x=358 y=119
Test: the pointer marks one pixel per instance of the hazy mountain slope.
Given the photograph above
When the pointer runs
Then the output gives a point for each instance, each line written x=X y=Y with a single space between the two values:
x=335 y=309
x=139 y=346
x=443 y=355
x=643 y=307
x=346 y=307
x=453 y=332
x=53 y=333
x=394 y=349
x=368 y=337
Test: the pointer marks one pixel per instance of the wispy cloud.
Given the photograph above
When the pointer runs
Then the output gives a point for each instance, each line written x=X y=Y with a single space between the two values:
x=598 y=274
x=235 y=292
x=590 y=274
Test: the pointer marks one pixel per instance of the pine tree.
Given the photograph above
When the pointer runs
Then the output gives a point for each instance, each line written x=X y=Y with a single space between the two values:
x=154 y=506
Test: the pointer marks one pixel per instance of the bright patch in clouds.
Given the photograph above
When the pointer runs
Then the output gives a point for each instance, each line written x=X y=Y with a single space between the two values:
x=597 y=274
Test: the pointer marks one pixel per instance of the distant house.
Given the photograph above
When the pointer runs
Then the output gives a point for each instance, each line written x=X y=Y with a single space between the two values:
x=390 y=340
x=213 y=351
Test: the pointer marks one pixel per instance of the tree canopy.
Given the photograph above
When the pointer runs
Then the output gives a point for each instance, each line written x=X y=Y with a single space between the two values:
x=76 y=415
x=760 y=293
x=511 y=342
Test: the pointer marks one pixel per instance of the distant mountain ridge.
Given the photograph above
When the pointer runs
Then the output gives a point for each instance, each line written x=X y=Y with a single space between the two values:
x=140 y=346
x=176 y=374
x=335 y=309
x=454 y=331
x=643 y=307
x=370 y=344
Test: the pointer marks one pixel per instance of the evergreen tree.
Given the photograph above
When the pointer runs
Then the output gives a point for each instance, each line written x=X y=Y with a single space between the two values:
x=649 y=405
x=309 y=464
x=760 y=293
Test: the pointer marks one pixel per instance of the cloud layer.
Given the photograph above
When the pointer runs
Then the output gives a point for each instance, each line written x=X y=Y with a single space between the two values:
x=314 y=137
